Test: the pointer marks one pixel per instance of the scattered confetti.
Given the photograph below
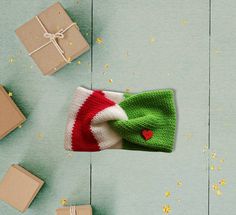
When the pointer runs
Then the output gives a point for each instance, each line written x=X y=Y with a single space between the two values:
x=152 y=39
x=184 y=22
x=179 y=183
x=188 y=136
x=212 y=167
x=79 y=62
x=106 y=66
x=219 y=168
x=222 y=160
x=11 y=60
x=110 y=80
x=222 y=182
x=10 y=94
x=215 y=187
x=218 y=193
x=213 y=155
x=39 y=136
x=63 y=201
x=167 y=194
x=166 y=209
x=69 y=59
x=99 y=40
x=20 y=126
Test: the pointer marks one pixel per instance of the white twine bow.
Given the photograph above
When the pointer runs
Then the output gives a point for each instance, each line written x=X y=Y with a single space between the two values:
x=52 y=39
x=73 y=210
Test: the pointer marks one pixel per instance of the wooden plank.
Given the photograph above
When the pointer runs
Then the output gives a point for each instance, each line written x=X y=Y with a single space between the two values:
x=223 y=105
x=38 y=145
x=151 y=45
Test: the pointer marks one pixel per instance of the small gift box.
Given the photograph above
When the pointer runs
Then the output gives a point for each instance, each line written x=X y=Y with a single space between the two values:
x=19 y=187
x=52 y=39
x=75 y=210
x=10 y=115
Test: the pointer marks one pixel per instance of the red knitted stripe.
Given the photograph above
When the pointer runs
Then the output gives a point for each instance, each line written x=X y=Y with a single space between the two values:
x=82 y=136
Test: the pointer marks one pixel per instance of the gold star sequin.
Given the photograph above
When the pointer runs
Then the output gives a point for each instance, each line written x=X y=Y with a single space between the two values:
x=188 y=136
x=79 y=62
x=10 y=94
x=179 y=183
x=222 y=160
x=213 y=155
x=110 y=81
x=166 y=209
x=218 y=193
x=106 y=66
x=152 y=39
x=167 y=194
x=215 y=187
x=63 y=201
x=219 y=168
x=222 y=182
x=11 y=60
x=212 y=167
x=99 y=40
x=39 y=135
x=20 y=126
x=184 y=22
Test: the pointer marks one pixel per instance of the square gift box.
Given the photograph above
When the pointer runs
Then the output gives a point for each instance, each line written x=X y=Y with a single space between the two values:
x=19 y=187
x=10 y=115
x=52 y=39
x=75 y=210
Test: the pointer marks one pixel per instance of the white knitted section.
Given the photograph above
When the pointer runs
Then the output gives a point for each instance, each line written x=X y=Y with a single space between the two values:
x=114 y=96
x=101 y=130
x=80 y=97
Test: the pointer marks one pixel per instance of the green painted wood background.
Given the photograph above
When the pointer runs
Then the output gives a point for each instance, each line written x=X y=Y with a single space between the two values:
x=185 y=45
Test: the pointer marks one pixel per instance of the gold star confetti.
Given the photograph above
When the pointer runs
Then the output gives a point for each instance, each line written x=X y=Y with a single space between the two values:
x=222 y=182
x=166 y=209
x=218 y=193
x=11 y=60
x=213 y=155
x=69 y=59
x=110 y=80
x=152 y=39
x=222 y=160
x=184 y=22
x=219 y=168
x=167 y=194
x=106 y=66
x=63 y=201
x=99 y=40
x=10 y=94
x=188 y=136
x=20 y=126
x=79 y=62
x=179 y=183
x=215 y=187
x=39 y=136
x=212 y=167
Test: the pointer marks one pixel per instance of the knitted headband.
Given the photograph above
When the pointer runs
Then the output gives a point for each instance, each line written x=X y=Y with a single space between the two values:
x=99 y=120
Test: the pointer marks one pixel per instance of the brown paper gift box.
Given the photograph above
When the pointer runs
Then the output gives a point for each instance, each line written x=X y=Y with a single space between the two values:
x=19 y=187
x=10 y=115
x=48 y=58
x=80 y=210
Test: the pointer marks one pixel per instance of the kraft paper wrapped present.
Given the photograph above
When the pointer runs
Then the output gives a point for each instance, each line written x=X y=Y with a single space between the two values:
x=19 y=187
x=10 y=115
x=52 y=39
x=75 y=210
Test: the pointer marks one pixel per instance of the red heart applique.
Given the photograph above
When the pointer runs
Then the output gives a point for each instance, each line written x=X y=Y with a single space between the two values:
x=147 y=134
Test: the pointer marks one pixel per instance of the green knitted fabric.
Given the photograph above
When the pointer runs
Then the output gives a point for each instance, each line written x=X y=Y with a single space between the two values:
x=152 y=110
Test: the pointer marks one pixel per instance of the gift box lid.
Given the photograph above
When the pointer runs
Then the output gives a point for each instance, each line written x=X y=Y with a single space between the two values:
x=10 y=115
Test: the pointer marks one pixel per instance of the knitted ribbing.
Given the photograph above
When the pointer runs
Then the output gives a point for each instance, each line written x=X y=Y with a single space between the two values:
x=153 y=110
